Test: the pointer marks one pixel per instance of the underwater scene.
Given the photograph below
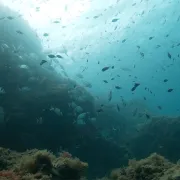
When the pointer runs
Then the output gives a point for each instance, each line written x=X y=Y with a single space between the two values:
x=89 y=89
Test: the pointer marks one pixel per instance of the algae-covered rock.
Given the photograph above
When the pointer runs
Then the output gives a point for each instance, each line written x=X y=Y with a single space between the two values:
x=40 y=164
x=155 y=167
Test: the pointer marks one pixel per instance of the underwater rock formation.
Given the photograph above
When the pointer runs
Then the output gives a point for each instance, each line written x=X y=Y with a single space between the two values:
x=155 y=167
x=160 y=135
x=40 y=105
x=40 y=164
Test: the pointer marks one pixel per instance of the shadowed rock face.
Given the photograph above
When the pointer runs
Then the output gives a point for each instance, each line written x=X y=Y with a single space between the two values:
x=28 y=93
x=160 y=135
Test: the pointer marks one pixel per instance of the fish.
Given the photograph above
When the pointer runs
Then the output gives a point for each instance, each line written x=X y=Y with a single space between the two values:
x=169 y=55
x=135 y=112
x=84 y=68
x=158 y=46
x=135 y=86
x=124 y=40
x=51 y=56
x=147 y=116
x=19 y=32
x=165 y=80
x=118 y=87
x=59 y=56
x=170 y=90
x=105 y=68
x=105 y=81
x=43 y=62
x=45 y=34
x=10 y=17
x=115 y=20
x=159 y=107
x=56 y=22
x=87 y=84
x=99 y=110
x=142 y=54
x=37 y=9
x=95 y=17
x=110 y=96
x=118 y=108
x=79 y=75
x=150 y=38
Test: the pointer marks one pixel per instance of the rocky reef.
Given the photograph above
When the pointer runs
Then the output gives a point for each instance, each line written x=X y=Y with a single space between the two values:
x=155 y=167
x=40 y=164
x=37 y=164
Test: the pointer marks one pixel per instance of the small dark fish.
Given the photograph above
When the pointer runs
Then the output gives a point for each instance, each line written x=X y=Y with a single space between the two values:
x=118 y=108
x=118 y=87
x=150 y=38
x=147 y=116
x=105 y=68
x=42 y=62
x=135 y=112
x=159 y=107
x=95 y=17
x=112 y=67
x=158 y=46
x=142 y=54
x=110 y=96
x=169 y=55
x=45 y=34
x=10 y=17
x=37 y=9
x=135 y=86
x=98 y=62
x=138 y=47
x=99 y=110
x=178 y=18
x=115 y=20
x=165 y=80
x=170 y=90
x=105 y=81
x=145 y=98
x=59 y=56
x=142 y=13
x=112 y=79
x=124 y=40
x=19 y=32
x=56 y=22
x=51 y=56
x=134 y=4
x=2 y=18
